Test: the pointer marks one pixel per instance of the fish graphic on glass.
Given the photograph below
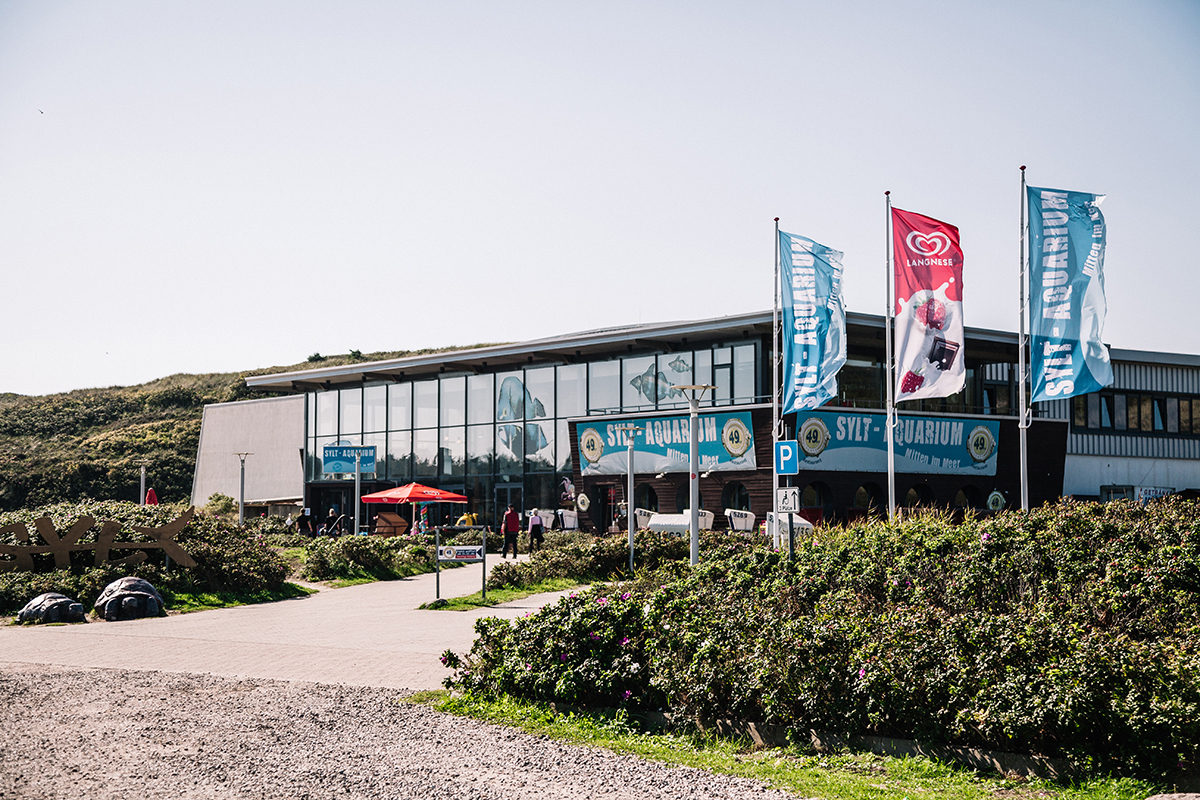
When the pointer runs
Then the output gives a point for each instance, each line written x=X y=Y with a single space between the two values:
x=654 y=386
x=514 y=402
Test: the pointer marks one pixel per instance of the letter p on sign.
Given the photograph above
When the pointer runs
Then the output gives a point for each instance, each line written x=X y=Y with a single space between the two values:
x=787 y=458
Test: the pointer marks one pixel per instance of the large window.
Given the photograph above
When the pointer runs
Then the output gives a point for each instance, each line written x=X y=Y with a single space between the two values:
x=400 y=407
x=425 y=404
x=453 y=402
x=481 y=404
x=539 y=393
x=375 y=408
x=572 y=390
x=425 y=453
x=327 y=421
x=674 y=369
x=454 y=451
x=745 y=381
x=351 y=413
x=1136 y=413
x=639 y=383
x=604 y=386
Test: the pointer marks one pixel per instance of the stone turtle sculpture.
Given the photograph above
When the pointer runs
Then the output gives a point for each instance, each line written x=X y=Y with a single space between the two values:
x=129 y=598
x=51 y=607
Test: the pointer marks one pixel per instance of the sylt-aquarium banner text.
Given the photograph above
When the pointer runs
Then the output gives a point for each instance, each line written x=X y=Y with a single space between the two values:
x=857 y=442
x=726 y=443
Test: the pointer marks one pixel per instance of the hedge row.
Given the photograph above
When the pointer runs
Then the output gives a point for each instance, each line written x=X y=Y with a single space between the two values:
x=228 y=559
x=1072 y=631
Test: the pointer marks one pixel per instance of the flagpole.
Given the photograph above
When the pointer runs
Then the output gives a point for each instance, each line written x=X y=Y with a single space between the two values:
x=775 y=393
x=1022 y=341
x=887 y=338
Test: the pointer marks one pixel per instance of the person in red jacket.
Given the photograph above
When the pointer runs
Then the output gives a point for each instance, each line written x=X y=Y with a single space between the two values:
x=511 y=527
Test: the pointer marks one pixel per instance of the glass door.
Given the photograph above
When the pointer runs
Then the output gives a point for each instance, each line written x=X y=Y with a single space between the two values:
x=507 y=494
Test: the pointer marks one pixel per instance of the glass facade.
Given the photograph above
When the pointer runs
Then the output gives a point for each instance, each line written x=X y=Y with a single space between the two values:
x=505 y=436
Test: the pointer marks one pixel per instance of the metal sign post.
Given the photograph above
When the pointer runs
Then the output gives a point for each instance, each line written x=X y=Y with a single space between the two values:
x=437 y=560
x=357 y=486
x=631 y=432
x=695 y=392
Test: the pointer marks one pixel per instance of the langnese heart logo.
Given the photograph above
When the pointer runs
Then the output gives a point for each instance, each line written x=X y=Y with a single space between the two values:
x=928 y=244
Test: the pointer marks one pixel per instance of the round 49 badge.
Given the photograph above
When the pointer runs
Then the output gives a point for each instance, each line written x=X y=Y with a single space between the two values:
x=736 y=437
x=591 y=445
x=814 y=435
x=981 y=444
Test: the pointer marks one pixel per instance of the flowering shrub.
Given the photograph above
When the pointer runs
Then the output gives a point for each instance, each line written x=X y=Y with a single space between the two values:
x=1070 y=631
x=587 y=649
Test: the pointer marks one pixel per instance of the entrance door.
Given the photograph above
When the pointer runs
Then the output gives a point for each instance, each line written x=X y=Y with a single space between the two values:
x=507 y=494
x=334 y=500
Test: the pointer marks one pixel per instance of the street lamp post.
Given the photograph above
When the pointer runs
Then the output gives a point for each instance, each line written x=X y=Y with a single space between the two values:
x=693 y=398
x=242 y=491
x=630 y=432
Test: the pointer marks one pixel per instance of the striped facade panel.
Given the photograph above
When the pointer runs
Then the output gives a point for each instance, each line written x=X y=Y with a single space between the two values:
x=1133 y=376
x=1053 y=409
x=1132 y=446
x=995 y=372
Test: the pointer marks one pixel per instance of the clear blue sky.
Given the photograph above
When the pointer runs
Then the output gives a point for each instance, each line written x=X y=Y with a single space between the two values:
x=212 y=186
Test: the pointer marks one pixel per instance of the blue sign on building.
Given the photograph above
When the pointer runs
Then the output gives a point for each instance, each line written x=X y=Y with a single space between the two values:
x=856 y=441
x=340 y=458
x=787 y=458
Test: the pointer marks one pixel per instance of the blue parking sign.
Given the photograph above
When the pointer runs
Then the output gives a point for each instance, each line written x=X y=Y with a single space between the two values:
x=787 y=458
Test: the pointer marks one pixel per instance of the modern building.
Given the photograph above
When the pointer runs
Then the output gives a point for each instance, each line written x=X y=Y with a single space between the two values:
x=504 y=424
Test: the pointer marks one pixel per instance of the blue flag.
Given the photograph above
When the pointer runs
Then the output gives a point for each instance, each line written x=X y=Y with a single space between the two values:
x=814 y=322
x=1066 y=294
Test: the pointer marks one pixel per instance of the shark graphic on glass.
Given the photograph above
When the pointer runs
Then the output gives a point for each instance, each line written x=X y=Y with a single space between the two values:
x=515 y=403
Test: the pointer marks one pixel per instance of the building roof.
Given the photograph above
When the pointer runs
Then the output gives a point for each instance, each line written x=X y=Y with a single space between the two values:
x=865 y=334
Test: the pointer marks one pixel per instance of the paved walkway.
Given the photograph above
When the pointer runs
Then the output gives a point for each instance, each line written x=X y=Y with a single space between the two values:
x=367 y=635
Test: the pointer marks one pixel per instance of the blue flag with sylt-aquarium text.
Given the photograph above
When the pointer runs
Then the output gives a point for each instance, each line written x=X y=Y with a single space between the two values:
x=814 y=321
x=1066 y=294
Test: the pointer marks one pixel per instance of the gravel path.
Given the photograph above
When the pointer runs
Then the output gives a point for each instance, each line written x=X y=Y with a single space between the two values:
x=96 y=734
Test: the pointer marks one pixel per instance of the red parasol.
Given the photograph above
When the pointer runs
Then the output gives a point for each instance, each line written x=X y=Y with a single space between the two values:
x=413 y=493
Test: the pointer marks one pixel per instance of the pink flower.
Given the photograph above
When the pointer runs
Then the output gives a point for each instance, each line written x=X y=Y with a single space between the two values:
x=862 y=673
x=628 y=694
x=625 y=596
x=602 y=601
x=625 y=641
x=562 y=656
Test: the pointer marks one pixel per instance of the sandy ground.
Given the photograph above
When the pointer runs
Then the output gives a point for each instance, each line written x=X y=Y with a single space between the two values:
x=297 y=699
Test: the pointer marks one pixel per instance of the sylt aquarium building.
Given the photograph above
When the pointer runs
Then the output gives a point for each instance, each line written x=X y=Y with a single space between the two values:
x=527 y=423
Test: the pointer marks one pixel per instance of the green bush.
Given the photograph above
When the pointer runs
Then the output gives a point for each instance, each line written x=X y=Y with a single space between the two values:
x=227 y=558
x=1071 y=631
x=588 y=649
x=383 y=558
x=586 y=557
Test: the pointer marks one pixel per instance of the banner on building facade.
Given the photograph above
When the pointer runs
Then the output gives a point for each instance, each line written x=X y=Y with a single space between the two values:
x=726 y=444
x=814 y=321
x=857 y=442
x=928 y=307
x=1066 y=294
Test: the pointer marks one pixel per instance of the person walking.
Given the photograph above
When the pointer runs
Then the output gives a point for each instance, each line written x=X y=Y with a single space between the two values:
x=510 y=528
x=536 y=528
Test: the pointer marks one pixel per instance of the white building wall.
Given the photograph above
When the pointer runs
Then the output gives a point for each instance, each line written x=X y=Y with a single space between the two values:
x=271 y=429
x=1086 y=474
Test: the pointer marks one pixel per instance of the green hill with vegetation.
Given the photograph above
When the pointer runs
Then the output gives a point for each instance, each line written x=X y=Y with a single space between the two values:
x=91 y=443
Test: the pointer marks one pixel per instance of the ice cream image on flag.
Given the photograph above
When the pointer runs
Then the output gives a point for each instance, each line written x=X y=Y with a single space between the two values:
x=929 y=319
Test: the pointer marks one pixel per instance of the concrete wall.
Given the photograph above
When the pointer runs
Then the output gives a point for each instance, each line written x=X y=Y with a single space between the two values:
x=1086 y=474
x=271 y=429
